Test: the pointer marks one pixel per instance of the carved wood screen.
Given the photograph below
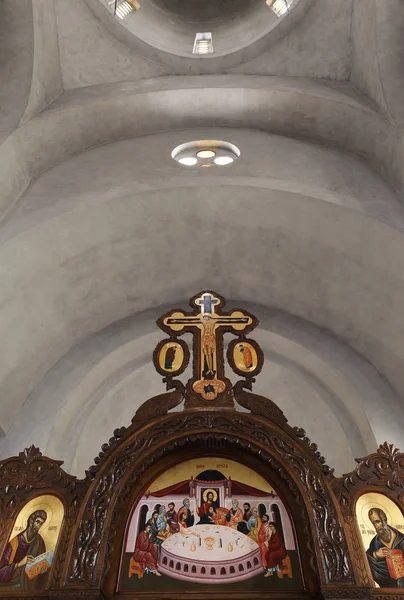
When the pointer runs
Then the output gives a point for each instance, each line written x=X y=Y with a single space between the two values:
x=86 y=559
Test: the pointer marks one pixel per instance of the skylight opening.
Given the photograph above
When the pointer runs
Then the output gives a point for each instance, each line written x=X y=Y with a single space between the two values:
x=123 y=8
x=203 y=43
x=279 y=7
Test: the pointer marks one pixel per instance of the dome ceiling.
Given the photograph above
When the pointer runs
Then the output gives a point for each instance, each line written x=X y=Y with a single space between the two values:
x=241 y=29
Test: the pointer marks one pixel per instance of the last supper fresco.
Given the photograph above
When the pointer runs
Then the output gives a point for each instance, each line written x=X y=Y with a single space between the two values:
x=210 y=522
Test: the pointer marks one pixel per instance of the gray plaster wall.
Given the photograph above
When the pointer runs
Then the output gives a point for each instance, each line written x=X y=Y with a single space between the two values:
x=91 y=56
x=76 y=273
x=16 y=62
x=290 y=107
x=46 y=82
x=378 y=51
x=319 y=47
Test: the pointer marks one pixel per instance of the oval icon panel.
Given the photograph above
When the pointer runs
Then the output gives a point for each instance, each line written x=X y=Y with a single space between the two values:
x=245 y=357
x=171 y=357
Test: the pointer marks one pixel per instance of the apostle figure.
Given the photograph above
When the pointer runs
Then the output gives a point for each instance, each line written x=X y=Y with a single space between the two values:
x=235 y=515
x=247 y=356
x=161 y=519
x=210 y=500
x=242 y=526
x=162 y=525
x=172 y=518
x=254 y=524
x=189 y=515
x=276 y=551
x=20 y=552
x=146 y=553
x=182 y=522
x=169 y=357
x=386 y=542
x=264 y=535
x=154 y=532
x=209 y=518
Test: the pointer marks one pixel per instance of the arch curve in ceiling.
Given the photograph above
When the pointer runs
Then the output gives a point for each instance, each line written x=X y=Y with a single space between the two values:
x=100 y=384
x=111 y=257
x=302 y=109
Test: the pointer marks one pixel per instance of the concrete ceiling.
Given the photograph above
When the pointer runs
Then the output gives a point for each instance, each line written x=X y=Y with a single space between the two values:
x=101 y=231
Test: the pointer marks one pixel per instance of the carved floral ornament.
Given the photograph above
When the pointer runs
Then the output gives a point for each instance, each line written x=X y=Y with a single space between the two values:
x=86 y=558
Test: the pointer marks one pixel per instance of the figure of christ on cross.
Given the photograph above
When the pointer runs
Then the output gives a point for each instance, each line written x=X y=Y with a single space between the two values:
x=205 y=325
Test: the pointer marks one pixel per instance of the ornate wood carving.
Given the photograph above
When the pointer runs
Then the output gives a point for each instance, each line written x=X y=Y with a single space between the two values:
x=383 y=470
x=150 y=444
x=86 y=562
x=25 y=476
x=31 y=471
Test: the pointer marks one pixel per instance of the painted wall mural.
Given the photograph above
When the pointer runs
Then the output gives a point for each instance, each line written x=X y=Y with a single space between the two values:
x=209 y=522
x=27 y=557
x=381 y=525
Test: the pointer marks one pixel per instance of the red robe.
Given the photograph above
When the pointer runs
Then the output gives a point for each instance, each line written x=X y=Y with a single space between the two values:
x=145 y=553
x=276 y=551
x=204 y=509
x=247 y=358
x=235 y=518
x=262 y=538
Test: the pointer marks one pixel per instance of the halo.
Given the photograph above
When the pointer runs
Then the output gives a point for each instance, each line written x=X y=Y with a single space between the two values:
x=365 y=509
x=206 y=492
x=31 y=508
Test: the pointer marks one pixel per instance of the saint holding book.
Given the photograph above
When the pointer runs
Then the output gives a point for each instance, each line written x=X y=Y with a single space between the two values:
x=385 y=552
x=20 y=568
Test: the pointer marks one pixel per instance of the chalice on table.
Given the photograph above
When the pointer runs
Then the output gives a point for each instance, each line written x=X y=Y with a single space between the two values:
x=210 y=542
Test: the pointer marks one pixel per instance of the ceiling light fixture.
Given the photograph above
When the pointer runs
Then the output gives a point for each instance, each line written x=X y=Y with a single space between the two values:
x=203 y=43
x=206 y=153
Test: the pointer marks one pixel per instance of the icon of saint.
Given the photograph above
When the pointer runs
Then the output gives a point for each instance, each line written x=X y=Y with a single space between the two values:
x=247 y=356
x=20 y=552
x=385 y=552
x=169 y=358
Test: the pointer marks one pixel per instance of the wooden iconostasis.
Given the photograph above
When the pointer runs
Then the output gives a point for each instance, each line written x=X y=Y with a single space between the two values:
x=205 y=499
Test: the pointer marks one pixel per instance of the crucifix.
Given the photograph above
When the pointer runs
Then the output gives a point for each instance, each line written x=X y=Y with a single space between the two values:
x=207 y=323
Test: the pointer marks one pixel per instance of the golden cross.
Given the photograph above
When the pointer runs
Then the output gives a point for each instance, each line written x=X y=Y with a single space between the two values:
x=208 y=326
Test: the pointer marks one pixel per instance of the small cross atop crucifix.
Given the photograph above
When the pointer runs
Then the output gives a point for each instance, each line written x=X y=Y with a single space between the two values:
x=208 y=327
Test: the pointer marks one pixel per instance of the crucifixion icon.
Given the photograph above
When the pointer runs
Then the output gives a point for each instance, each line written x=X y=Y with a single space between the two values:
x=208 y=323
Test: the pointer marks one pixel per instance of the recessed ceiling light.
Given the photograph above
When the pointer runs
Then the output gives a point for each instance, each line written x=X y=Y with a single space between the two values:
x=223 y=160
x=189 y=161
x=206 y=153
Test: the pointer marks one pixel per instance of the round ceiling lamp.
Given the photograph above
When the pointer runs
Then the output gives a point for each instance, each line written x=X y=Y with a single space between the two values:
x=206 y=153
